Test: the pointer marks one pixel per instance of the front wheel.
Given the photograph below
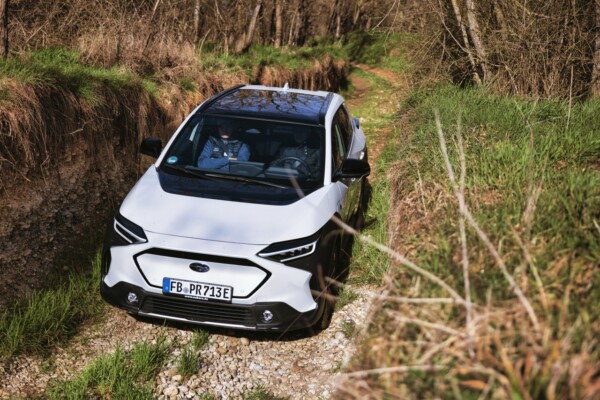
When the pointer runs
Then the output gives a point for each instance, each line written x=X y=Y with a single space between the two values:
x=326 y=298
x=325 y=319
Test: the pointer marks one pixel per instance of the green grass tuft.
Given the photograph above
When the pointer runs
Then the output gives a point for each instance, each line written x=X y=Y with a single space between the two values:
x=200 y=339
x=188 y=362
x=120 y=375
x=261 y=393
x=49 y=318
x=345 y=297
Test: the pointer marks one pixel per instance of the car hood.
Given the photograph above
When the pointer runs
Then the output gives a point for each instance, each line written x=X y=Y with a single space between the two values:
x=155 y=210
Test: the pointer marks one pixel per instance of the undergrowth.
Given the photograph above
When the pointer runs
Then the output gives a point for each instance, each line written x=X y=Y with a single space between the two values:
x=63 y=68
x=48 y=318
x=292 y=58
x=532 y=185
x=368 y=264
x=119 y=375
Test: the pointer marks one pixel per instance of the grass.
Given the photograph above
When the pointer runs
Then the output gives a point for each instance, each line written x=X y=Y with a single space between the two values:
x=379 y=49
x=200 y=339
x=49 y=318
x=189 y=360
x=533 y=185
x=120 y=375
x=368 y=264
x=346 y=296
x=349 y=328
x=513 y=146
x=292 y=58
x=261 y=393
x=61 y=67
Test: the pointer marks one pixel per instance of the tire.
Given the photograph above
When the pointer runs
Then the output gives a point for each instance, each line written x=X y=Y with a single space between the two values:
x=326 y=301
x=365 y=197
x=325 y=319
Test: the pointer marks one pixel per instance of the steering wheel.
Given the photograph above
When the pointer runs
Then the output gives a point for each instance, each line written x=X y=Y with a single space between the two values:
x=301 y=162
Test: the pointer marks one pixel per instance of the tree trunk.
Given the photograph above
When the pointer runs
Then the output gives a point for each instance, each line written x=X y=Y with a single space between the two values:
x=332 y=17
x=196 y=22
x=595 y=86
x=466 y=46
x=246 y=40
x=291 y=37
x=476 y=37
x=357 y=14
x=278 y=23
x=501 y=20
x=4 y=27
x=151 y=27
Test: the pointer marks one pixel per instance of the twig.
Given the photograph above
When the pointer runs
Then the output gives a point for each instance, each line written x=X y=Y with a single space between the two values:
x=421 y=192
x=427 y=324
x=570 y=100
x=534 y=270
x=389 y=370
x=482 y=235
x=463 y=241
x=425 y=357
x=421 y=300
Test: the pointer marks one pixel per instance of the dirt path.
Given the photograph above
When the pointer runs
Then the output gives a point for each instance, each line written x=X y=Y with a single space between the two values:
x=233 y=363
x=385 y=101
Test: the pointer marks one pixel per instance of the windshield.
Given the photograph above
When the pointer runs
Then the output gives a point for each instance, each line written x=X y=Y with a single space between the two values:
x=249 y=152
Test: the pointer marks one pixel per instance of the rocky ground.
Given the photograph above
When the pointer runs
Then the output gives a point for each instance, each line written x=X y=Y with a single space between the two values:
x=232 y=364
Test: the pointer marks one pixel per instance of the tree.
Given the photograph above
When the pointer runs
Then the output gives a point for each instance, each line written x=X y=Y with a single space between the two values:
x=4 y=27
x=278 y=23
x=246 y=41
x=196 y=21
x=595 y=87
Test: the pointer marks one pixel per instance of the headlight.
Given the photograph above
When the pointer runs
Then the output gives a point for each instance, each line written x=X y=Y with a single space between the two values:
x=292 y=249
x=125 y=232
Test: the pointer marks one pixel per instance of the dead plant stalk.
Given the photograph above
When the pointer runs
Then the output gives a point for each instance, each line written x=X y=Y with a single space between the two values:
x=480 y=233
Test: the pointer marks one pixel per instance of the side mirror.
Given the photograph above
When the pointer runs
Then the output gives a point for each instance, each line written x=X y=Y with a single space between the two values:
x=353 y=168
x=357 y=123
x=151 y=147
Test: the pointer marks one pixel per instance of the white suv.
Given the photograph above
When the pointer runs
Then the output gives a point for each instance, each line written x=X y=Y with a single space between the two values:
x=232 y=225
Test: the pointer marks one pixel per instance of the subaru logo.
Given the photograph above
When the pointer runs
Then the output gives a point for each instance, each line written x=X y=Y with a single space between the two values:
x=199 y=267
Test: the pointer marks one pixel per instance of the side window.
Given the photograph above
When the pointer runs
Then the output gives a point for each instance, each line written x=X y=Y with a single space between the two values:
x=343 y=120
x=338 y=146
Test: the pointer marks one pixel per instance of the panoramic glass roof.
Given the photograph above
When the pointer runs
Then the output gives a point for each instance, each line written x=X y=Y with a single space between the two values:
x=270 y=104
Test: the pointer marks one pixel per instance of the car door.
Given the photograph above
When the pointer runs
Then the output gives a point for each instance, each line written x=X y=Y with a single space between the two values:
x=341 y=141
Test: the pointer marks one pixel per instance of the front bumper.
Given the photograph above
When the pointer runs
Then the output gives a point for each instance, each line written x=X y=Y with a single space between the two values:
x=238 y=316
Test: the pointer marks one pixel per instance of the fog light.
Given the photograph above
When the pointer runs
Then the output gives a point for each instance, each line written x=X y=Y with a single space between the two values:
x=266 y=316
x=132 y=298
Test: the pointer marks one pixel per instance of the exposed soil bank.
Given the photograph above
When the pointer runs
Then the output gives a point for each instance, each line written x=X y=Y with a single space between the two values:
x=65 y=165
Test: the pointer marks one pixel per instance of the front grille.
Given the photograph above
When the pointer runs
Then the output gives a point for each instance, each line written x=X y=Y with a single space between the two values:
x=200 y=311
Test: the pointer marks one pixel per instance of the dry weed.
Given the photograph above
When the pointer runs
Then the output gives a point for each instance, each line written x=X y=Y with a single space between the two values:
x=416 y=346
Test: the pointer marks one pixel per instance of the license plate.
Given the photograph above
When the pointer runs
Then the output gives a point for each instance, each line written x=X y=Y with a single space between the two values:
x=197 y=290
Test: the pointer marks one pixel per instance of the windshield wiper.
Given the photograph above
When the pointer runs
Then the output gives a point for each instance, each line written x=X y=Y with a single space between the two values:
x=244 y=179
x=188 y=170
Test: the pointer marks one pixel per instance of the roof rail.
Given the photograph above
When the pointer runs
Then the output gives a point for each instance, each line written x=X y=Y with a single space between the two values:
x=214 y=98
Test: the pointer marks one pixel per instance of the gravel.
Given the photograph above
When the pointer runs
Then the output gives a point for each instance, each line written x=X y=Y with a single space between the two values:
x=231 y=365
